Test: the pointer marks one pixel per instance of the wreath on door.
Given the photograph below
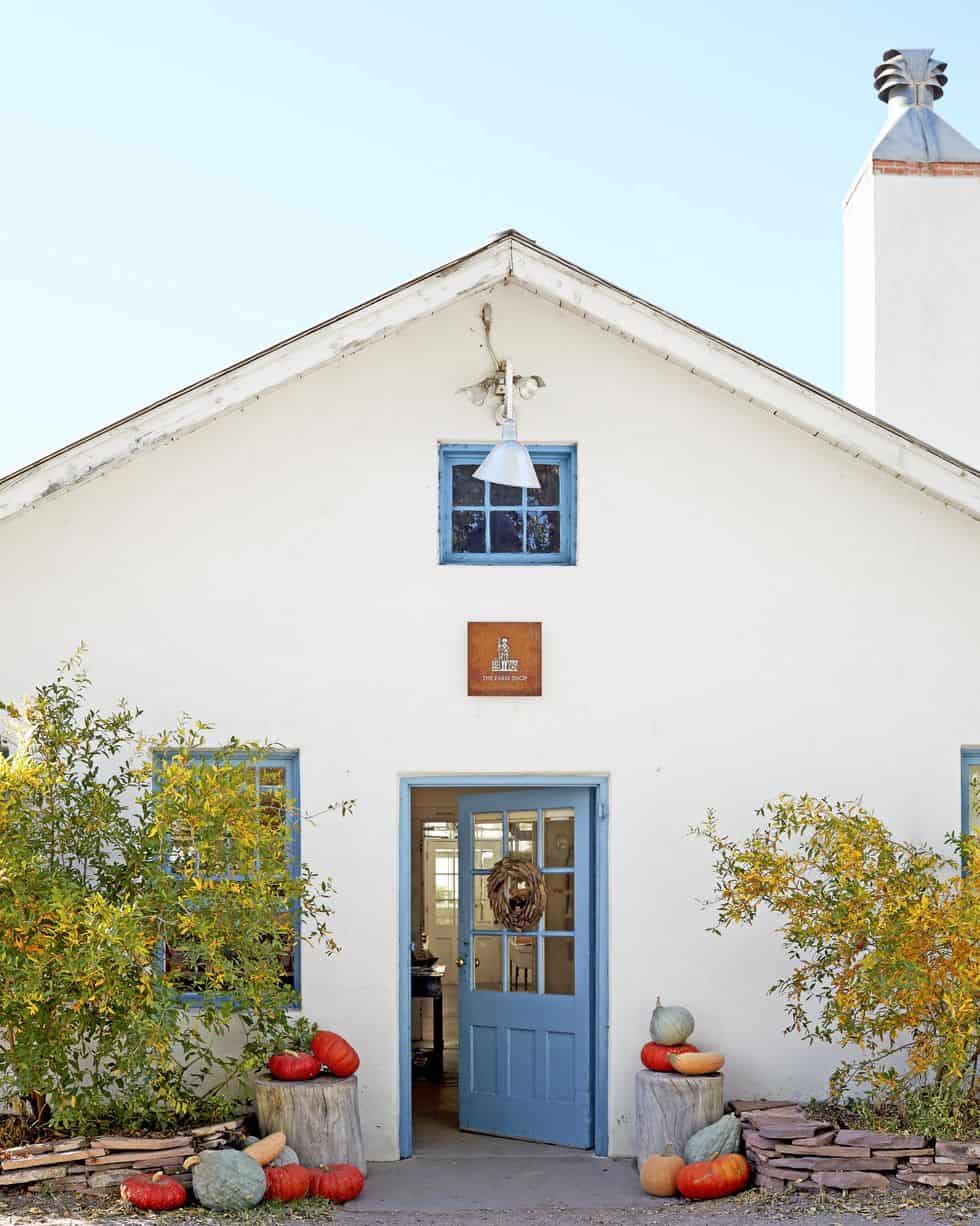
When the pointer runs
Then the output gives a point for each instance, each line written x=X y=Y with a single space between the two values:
x=517 y=894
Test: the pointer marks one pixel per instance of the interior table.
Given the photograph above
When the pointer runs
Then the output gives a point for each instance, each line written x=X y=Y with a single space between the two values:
x=427 y=984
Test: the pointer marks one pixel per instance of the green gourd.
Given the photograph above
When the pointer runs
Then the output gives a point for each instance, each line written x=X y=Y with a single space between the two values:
x=724 y=1136
x=228 y=1179
x=671 y=1024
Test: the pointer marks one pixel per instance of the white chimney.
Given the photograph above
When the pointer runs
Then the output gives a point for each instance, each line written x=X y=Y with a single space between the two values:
x=912 y=266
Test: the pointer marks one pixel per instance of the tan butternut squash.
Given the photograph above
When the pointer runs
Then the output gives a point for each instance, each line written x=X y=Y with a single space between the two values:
x=696 y=1063
x=268 y=1148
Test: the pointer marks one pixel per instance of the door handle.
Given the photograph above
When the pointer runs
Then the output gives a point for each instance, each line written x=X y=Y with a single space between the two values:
x=460 y=961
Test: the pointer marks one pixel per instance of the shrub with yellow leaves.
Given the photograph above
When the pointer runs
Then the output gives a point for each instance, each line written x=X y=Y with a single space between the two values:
x=881 y=935
x=130 y=872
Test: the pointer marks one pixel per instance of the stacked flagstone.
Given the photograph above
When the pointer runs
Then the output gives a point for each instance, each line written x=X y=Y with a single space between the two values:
x=76 y=1164
x=786 y=1148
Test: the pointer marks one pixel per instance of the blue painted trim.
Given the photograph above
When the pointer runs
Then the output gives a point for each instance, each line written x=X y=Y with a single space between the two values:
x=968 y=757
x=600 y=789
x=565 y=455
x=289 y=759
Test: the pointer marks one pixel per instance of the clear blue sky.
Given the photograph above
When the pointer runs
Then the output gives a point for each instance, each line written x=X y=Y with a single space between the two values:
x=186 y=183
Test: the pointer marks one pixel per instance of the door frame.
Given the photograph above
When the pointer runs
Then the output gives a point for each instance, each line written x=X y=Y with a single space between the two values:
x=598 y=785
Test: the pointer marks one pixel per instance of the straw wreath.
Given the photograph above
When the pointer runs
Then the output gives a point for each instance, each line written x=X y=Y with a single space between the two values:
x=517 y=894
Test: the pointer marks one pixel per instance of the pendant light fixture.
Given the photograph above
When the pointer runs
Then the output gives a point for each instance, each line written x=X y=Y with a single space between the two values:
x=509 y=461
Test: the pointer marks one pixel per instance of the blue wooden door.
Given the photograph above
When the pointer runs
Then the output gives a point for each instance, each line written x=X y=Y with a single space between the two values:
x=525 y=998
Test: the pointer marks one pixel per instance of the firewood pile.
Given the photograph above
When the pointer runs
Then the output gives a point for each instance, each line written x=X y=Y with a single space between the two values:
x=785 y=1148
x=77 y=1163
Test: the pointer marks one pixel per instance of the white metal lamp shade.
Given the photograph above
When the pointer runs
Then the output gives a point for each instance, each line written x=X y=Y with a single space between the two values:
x=509 y=463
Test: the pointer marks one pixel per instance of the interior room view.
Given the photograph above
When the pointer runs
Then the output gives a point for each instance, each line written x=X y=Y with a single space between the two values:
x=497 y=956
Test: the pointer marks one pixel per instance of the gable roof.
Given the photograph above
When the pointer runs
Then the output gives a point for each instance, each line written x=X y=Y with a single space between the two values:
x=509 y=257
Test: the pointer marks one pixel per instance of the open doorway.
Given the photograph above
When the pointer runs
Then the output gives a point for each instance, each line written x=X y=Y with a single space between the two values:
x=499 y=1027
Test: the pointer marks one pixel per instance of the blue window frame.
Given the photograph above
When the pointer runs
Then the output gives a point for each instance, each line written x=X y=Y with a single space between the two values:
x=969 y=770
x=275 y=775
x=501 y=525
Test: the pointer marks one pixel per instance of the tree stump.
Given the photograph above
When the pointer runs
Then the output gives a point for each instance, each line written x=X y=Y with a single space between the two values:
x=670 y=1108
x=319 y=1117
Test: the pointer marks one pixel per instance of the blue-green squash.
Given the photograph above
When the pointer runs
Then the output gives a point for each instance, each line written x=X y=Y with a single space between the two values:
x=671 y=1024
x=287 y=1157
x=227 y=1179
x=724 y=1136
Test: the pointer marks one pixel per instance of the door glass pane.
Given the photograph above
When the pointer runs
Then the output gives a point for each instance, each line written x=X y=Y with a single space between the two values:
x=559 y=911
x=482 y=915
x=487 y=976
x=559 y=966
x=522 y=957
x=559 y=838
x=488 y=839
x=522 y=835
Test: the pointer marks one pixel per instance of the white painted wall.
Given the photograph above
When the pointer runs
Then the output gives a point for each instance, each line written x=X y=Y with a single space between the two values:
x=912 y=305
x=753 y=611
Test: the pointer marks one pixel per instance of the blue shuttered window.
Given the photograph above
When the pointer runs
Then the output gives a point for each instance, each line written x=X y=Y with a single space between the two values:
x=501 y=525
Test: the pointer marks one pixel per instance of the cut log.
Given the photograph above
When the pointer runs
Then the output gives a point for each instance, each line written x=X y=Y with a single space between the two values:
x=320 y=1118
x=671 y=1109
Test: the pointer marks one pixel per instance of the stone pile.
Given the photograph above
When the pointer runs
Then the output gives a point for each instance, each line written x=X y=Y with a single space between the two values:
x=76 y=1164
x=785 y=1148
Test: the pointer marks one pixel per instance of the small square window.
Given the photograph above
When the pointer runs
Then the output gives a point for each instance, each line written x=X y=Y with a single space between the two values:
x=484 y=524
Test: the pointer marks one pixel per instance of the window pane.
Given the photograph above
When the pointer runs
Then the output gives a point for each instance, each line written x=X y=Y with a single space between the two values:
x=467 y=489
x=522 y=958
x=488 y=839
x=272 y=776
x=522 y=835
x=506 y=532
x=487 y=971
x=559 y=838
x=549 y=494
x=469 y=532
x=973 y=775
x=482 y=915
x=559 y=911
x=559 y=966
x=506 y=495
x=544 y=531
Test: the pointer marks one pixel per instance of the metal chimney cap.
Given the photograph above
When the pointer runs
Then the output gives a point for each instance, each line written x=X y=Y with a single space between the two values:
x=915 y=73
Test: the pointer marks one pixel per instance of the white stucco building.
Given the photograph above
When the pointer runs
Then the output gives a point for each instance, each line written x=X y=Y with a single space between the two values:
x=745 y=586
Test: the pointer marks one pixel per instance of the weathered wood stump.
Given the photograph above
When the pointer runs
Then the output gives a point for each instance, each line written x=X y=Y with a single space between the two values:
x=319 y=1117
x=670 y=1108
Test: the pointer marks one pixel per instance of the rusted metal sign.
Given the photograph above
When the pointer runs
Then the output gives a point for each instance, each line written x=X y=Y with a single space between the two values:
x=504 y=659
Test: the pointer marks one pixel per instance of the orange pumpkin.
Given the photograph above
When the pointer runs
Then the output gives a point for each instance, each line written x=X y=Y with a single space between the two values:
x=289 y=1182
x=655 y=1055
x=658 y=1174
x=335 y=1053
x=722 y=1176
x=339 y=1183
x=157 y=1192
x=696 y=1063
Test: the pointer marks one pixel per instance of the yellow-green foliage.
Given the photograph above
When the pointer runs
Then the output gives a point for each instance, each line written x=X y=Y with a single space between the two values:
x=111 y=850
x=882 y=935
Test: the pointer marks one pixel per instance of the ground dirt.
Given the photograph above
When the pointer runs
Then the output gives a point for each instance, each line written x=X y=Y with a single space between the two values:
x=753 y=1208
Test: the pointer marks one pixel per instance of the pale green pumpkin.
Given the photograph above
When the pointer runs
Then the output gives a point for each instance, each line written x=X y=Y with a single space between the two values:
x=227 y=1179
x=670 y=1024
x=724 y=1136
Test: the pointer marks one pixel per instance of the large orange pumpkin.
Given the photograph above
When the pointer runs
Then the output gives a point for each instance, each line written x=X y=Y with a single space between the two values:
x=339 y=1183
x=655 y=1055
x=722 y=1176
x=335 y=1053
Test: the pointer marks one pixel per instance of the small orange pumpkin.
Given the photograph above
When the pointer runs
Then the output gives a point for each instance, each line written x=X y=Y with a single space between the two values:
x=339 y=1183
x=658 y=1175
x=156 y=1192
x=289 y=1182
x=722 y=1176
x=335 y=1053
x=655 y=1055
x=696 y=1063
